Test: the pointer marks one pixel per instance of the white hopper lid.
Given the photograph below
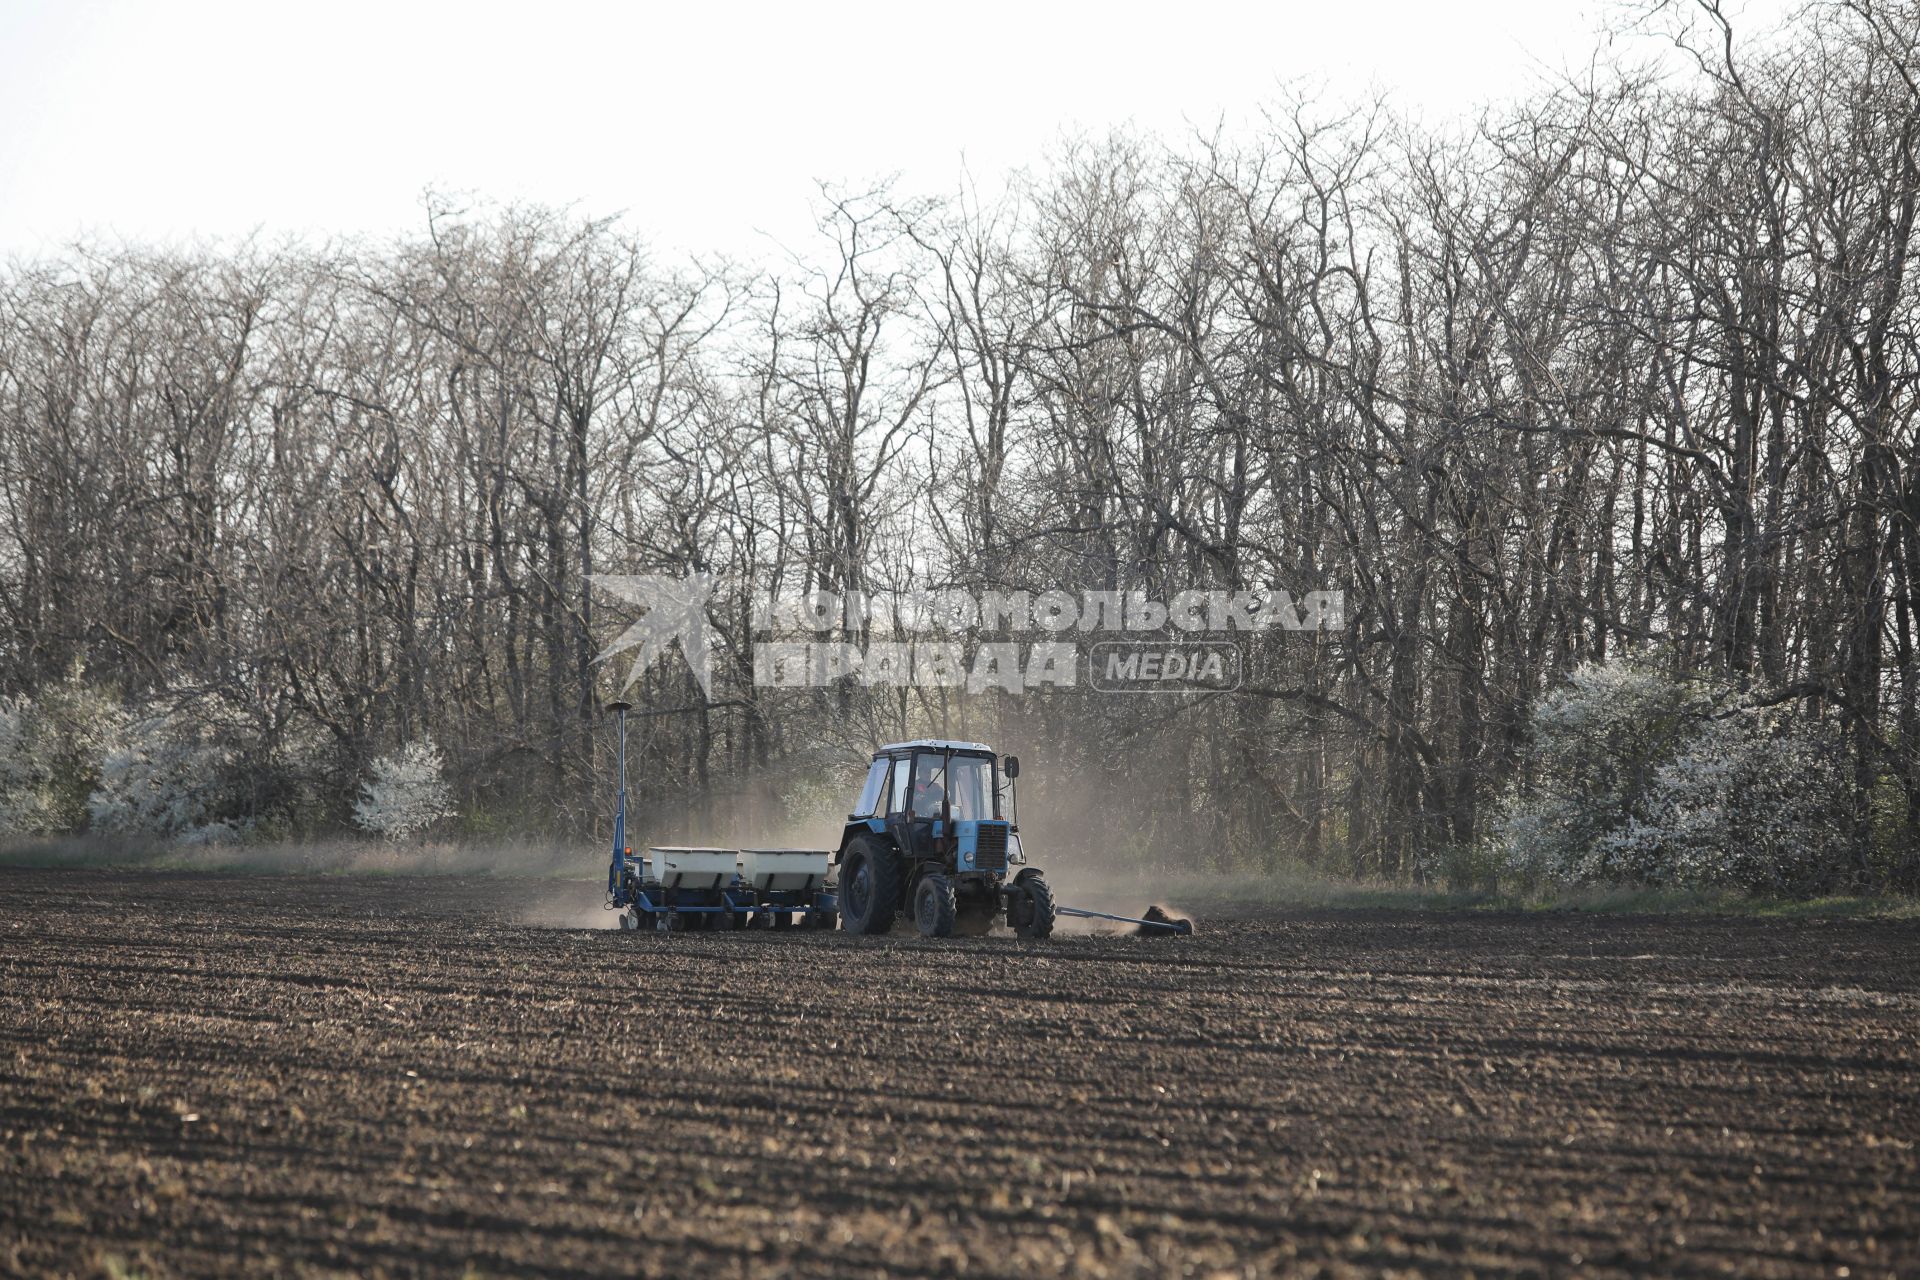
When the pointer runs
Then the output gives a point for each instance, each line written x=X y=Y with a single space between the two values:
x=785 y=869
x=693 y=867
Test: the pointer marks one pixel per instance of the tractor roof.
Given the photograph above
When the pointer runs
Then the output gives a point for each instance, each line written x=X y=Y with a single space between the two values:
x=933 y=744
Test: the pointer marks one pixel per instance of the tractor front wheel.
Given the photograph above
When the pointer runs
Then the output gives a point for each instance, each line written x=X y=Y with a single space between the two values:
x=934 y=908
x=869 y=886
x=1031 y=909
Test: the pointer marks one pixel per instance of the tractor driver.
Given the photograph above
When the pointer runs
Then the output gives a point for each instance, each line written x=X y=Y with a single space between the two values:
x=929 y=796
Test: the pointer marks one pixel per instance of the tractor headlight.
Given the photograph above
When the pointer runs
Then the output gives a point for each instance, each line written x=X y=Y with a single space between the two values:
x=1015 y=854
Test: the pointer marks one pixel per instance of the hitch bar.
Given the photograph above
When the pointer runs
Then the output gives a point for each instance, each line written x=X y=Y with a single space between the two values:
x=1171 y=926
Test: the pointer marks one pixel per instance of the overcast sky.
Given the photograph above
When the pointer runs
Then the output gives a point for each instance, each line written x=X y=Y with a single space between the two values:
x=705 y=123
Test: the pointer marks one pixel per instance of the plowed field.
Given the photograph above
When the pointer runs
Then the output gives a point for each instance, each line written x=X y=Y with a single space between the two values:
x=278 y=1075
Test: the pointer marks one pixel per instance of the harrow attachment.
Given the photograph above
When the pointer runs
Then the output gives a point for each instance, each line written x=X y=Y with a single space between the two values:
x=1158 y=922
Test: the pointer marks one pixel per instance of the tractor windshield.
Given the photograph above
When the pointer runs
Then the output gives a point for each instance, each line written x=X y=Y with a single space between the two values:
x=972 y=787
x=967 y=786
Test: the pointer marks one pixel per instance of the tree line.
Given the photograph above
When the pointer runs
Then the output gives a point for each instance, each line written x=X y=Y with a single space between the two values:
x=1626 y=368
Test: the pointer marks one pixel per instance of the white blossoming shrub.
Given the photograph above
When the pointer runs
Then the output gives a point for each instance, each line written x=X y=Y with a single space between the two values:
x=1755 y=805
x=1594 y=747
x=50 y=749
x=181 y=773
x=406 y=793
x=1634 y=776
x=195 y=768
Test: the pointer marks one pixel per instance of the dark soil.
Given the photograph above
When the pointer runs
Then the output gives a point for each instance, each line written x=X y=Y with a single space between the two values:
x=272 y=1075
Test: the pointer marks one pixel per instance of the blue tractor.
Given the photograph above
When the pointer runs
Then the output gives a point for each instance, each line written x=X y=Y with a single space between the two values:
x=932 y=836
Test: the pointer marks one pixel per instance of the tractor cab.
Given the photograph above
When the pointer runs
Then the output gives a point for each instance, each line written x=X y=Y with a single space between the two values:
x=932 y=834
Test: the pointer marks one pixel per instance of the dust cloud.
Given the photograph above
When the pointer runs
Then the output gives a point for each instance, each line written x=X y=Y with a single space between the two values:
x=1067 y=832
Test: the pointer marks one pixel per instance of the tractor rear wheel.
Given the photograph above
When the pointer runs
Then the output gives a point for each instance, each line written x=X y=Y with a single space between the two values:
x=869 y=886
x=1032 y=909
x=934 y=908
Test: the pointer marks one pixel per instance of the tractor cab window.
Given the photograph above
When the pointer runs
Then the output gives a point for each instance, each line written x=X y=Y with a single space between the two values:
x=970 y=788
x=899 y=804
x=963 y=782
x=929 y=785
x=870 y=793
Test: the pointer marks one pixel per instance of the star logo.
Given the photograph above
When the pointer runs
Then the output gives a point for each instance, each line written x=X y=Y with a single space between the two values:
x=675 y=610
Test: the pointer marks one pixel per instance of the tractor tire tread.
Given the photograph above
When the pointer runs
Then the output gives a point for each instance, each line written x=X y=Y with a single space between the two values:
x=1036 y=921
x=935 y=909
x=887 y=875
